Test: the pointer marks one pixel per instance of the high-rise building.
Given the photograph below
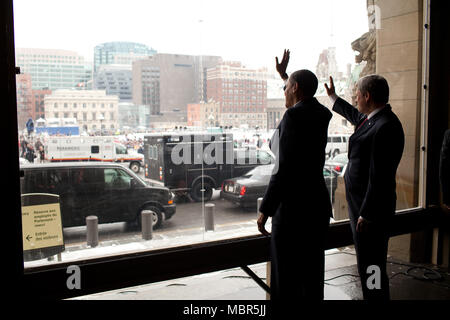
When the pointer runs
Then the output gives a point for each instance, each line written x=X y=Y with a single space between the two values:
x=54 y=69
x=120 y=53
x=241 y=92
x=169 y=82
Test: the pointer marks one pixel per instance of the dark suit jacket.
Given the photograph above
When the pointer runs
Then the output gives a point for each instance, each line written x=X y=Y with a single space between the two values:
x=297 y=190
x=374 y=153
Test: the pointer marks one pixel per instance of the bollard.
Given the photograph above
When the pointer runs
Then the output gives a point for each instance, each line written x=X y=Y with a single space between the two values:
x=258 y=205
x=147 y=224
x=92 y=231
x=209 y=216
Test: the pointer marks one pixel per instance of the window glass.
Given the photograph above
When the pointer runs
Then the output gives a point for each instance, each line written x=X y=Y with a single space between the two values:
x=198 y=108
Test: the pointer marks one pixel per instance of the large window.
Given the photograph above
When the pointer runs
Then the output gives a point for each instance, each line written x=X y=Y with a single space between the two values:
x=200 y=173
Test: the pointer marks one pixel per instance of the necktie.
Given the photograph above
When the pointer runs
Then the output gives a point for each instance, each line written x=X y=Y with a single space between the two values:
x=362 y=123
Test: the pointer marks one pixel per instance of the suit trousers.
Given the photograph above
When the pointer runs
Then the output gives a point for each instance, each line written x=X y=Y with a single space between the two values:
x=371 y=252
x=298 y=261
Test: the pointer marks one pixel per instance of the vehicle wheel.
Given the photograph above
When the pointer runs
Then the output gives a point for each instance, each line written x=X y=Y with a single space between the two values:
x=199 y=192
x=135 y=167
x=335 y=152
x=157 y=217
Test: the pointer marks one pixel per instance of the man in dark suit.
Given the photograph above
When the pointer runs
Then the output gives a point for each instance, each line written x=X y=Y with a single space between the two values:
x=374 y=152
x=297 y=198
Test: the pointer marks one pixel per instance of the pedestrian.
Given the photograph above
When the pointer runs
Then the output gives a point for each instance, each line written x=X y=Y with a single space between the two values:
x=444 y=169
x=38 y=144
x=297 y=198
x=30 y=154
x=23 y=146
x=41 y=154
x=374 y=152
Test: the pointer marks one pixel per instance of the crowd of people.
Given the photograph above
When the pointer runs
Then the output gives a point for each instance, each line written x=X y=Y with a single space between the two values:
x=135 y=144
x=32 y=149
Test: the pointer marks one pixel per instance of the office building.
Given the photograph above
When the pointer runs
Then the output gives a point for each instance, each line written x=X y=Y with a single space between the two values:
x=120 y=52
x=115 y=79
x=169 y=82
x=54 y=69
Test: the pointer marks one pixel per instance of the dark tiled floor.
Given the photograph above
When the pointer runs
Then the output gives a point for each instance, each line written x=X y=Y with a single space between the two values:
x=407 y=282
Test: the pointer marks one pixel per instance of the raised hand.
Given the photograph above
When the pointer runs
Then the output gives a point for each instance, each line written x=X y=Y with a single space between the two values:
x=281 y=67
x=330 y=90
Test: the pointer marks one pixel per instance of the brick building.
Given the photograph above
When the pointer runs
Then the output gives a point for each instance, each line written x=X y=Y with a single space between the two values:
x=241 y=94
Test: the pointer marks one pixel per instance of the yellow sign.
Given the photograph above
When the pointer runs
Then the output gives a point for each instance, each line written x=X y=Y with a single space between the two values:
x=41 y=226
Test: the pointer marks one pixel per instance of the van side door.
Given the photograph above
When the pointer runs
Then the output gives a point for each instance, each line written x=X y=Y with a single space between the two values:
x=118 y=189
x=89 y=196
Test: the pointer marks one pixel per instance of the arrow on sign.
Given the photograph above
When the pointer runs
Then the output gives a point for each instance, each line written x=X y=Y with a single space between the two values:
x=28 y=237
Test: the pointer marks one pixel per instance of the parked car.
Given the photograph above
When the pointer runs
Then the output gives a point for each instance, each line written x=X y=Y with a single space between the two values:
x=337 y=163
x=245 y=190
x=109 y=191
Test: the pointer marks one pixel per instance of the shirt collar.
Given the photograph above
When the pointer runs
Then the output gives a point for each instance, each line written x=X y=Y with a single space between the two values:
x=374 y=112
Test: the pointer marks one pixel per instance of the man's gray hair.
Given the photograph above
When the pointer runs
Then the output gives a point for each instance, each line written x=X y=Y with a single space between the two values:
x=376 y=86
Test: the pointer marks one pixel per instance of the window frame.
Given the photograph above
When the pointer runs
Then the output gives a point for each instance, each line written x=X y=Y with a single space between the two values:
x=108 y=273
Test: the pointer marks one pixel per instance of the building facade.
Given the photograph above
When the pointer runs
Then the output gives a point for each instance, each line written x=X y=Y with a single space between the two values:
x=93 y=109
x=169 y=82
x=37 y=101
x=133 y=116
x=203 y=114
x=115 y=79
x=24 y=99
x=120 y=53
x=275 y=112
x=54 y=69
x=241 y=93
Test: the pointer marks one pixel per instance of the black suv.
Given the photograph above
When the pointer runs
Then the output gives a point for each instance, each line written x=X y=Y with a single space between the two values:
x=109 y=191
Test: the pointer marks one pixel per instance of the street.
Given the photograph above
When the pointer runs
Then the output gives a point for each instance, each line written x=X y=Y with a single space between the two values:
x=187 y=220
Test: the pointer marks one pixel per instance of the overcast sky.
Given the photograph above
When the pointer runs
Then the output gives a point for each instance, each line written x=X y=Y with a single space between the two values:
x=251 y=31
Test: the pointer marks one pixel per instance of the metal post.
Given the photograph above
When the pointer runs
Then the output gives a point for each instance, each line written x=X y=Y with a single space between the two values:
x=147 y=224
x=92 y=231
x=209 y=216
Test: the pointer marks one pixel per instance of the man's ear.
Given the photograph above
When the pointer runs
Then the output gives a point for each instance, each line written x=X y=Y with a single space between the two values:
x=295 y=87
x=367 y=96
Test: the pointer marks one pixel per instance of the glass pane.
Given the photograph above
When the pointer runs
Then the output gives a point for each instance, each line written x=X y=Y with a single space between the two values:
x=179 y=118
